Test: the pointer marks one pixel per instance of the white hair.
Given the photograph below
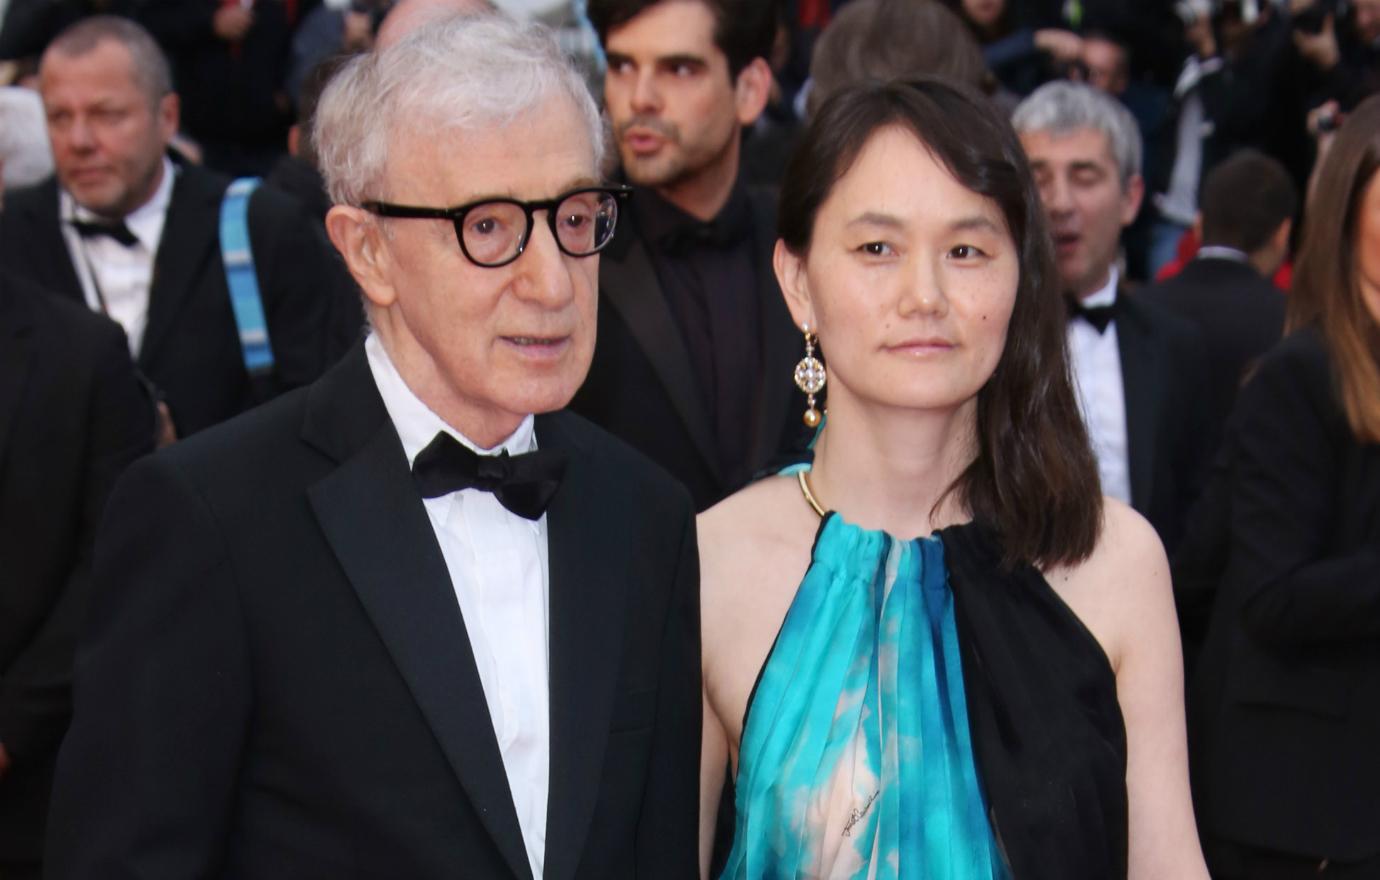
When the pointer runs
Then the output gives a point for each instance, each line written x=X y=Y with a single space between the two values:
x=467 y=73
x=24 y=147
x=1062 y=107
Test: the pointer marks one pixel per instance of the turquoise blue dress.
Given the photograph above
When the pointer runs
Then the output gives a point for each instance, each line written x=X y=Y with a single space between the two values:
x=856 y=759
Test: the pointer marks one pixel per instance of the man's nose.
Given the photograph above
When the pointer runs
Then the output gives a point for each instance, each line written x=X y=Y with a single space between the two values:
x=79 y=135
x=646 y=97
x=543 y=274
x=1057 y=196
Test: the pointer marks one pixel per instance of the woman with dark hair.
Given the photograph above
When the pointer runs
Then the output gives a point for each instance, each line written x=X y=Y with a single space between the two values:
x=969 y=663
x=1287 y=696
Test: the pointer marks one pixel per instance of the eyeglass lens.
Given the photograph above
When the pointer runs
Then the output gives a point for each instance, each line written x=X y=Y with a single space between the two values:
x=494 y=232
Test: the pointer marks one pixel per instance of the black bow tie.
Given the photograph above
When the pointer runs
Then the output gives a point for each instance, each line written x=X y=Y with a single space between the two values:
x=117 y=230
x=525 y=484
x=1099 y=316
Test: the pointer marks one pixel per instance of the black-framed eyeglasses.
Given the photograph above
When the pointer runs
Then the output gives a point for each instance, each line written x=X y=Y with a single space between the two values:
x=495 y=232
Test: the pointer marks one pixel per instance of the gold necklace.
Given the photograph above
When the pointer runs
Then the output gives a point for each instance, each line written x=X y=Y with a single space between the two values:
x=809 y=496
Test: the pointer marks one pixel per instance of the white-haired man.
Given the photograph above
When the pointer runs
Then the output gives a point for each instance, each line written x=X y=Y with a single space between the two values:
x=397 y=625
x=1137 y=367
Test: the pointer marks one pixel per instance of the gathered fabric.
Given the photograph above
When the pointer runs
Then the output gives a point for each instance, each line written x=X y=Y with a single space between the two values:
x=856 y=759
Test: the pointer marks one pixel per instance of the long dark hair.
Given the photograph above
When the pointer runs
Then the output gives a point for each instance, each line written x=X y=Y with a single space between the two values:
x=1326 y=291
x=1034 y=479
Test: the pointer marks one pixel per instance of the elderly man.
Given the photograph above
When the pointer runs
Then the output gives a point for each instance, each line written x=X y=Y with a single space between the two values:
x=133 y=235
x=413 y=621
x=1137 y=368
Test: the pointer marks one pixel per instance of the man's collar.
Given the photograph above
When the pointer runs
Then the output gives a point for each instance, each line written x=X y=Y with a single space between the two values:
x=1221 y=252
x=660 y=221
x=417 y=425
x=1104 y=295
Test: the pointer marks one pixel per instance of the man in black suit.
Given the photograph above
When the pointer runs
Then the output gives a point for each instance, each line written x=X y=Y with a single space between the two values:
x=696 y=349
x=1137 y=368
x=340 y=636
x=1247 y=215
x=133 y=235
x=72 y=416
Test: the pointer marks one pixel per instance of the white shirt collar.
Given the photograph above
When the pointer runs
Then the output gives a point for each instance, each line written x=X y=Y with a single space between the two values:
x=1222 y=252
x=145 y=221
x=1105 y=295
x=415 y=422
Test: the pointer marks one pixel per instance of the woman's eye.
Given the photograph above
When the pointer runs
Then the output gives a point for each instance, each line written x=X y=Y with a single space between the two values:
x=965 y=252
x=876 y=249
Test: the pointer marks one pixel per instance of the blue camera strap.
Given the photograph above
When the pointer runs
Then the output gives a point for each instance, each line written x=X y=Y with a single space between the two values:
x=241 y=278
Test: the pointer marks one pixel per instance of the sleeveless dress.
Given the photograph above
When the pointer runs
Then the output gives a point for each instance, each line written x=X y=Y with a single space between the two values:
x=926 y=714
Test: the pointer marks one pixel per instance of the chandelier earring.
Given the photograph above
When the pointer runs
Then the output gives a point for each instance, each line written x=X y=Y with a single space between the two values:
x=810 y=377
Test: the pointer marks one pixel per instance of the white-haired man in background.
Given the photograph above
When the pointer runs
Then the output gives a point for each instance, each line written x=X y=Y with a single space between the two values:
x=412 y=621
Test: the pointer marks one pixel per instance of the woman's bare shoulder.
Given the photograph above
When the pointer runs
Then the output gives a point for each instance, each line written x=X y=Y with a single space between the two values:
x=754 y=537
x=1126 y=577
x=766 y=512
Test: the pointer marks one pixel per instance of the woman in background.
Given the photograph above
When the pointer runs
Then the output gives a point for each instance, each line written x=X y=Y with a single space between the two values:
x=969 y=659
x=1287 y=697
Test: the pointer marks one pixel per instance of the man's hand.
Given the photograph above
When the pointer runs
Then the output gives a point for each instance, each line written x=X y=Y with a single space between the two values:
x=4 y=762
x=232 y=22
x=166 y=433
x=1063 y=46
x=1320 y=49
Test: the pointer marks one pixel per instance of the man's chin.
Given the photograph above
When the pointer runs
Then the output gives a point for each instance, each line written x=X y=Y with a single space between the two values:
x=649 y=170
x=101 y=202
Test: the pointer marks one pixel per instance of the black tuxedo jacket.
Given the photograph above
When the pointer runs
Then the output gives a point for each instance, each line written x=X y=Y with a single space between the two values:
x=191 y=347
x=1240 y=314
x=1166 y=422
x=276 y=679
x=642 y=385
x=1285 y=708
x=72 y=415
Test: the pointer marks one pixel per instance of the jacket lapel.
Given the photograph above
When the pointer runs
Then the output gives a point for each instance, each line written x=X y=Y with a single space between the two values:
x=16 y=346
x=49 y=261
x=781 y=343
x=191 y=237
x=375 y=522
x=588 y=583
x=1138 y=378
x=628 y=281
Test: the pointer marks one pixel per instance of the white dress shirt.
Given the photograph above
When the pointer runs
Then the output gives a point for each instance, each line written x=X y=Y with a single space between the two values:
x=122 y=275
x=1096 y=362
x=497 y=562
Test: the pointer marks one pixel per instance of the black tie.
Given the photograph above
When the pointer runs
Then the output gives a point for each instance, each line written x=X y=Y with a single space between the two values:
x=525 y=484
x=1099 y=316
x=117 y=230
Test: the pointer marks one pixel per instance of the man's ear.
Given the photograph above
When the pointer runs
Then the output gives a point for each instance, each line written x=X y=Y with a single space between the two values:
x=356 y=234
x=1280 y=238
x=751 y=90
x=169 y=113
x=1131 y=197
x=795 y=287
